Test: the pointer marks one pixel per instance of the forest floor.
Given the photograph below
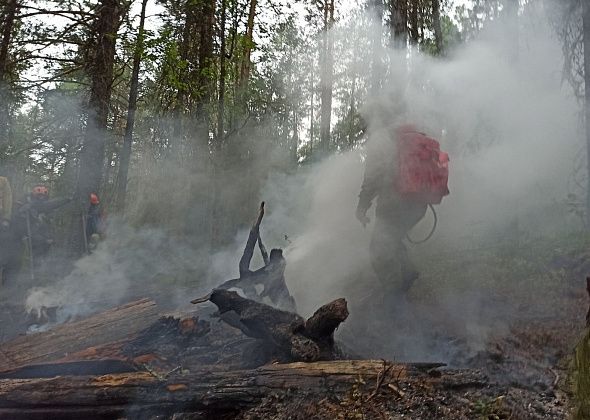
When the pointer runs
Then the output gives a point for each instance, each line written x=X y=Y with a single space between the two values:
x=507 y=317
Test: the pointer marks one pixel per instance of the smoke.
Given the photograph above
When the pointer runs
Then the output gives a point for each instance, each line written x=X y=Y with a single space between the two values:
x=512 y=131
x=129 y=263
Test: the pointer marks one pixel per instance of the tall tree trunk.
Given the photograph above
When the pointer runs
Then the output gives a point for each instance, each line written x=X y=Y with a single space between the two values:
x=200 y=198
x=133 y=90
x=8 y=16
x=326 y=77
x=206 y=38
x=311 y=105
x=248 y=44
x=217 y=218
x=413 y=21
x=377 y=67
x=222 y=76
x=399 y=23
x=586 y=28
x=351 y=113
x=100 y=70
x=438 y=41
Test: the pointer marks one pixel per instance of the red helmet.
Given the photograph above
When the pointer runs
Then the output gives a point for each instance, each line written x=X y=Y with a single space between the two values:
x=40 y=191
x=94 y=199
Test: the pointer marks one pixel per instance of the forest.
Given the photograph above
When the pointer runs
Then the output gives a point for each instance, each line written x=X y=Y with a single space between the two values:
x=154 y=130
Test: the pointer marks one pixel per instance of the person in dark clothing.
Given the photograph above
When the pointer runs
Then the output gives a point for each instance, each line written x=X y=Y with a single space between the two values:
x=395 y=216
x=31 y=227
x=94 y=222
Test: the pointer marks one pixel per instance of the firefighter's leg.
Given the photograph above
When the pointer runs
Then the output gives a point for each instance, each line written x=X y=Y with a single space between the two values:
x=386 y=251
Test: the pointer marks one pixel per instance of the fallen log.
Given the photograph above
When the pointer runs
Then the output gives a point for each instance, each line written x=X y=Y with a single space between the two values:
x=205 y=390
x=116 y=324
x=290 y=336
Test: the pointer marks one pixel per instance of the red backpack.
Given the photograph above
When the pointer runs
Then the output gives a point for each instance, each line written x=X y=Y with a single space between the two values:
x=423 y=169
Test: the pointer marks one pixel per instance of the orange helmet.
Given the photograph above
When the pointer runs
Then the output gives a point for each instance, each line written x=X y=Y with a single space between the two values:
x=94 y=199
x=40 y=191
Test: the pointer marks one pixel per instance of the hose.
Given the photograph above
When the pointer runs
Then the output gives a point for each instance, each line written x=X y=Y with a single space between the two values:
x=410 y=240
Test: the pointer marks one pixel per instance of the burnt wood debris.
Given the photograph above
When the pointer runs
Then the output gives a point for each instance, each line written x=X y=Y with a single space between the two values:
x=135 y=362
x=251 y=358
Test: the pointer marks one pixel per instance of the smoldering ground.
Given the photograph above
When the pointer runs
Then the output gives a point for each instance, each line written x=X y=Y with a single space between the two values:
x=512 y=130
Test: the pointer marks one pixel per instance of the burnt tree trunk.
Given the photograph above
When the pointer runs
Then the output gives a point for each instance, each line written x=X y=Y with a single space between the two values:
x=207 y=392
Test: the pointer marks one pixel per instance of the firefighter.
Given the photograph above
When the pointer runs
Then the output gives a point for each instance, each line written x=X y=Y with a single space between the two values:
x=94 y=222
x=31 y=228
x=395 y=216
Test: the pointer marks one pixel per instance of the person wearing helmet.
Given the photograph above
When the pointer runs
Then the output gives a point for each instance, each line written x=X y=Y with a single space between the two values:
x=94 y=222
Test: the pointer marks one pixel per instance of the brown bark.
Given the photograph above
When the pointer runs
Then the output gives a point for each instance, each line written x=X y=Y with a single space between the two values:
x=132 y=107
x=116 y=324
x=206 y=35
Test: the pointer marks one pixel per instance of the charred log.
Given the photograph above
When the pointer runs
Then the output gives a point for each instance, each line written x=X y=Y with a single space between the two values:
x=290 y=336
x=271 y=276
x=206 y=391
x=119 y=323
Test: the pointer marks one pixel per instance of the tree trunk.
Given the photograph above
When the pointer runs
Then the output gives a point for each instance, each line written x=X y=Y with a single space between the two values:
x=9 y=11
x=326 y=77
x=438 y=41
x=206 y=38
x=377 y=67
x=586 y=26
x=222 y=76
x=101 y=73
x=413 y=21
x=248 y=44
x=133 y=90
x=399 y=23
